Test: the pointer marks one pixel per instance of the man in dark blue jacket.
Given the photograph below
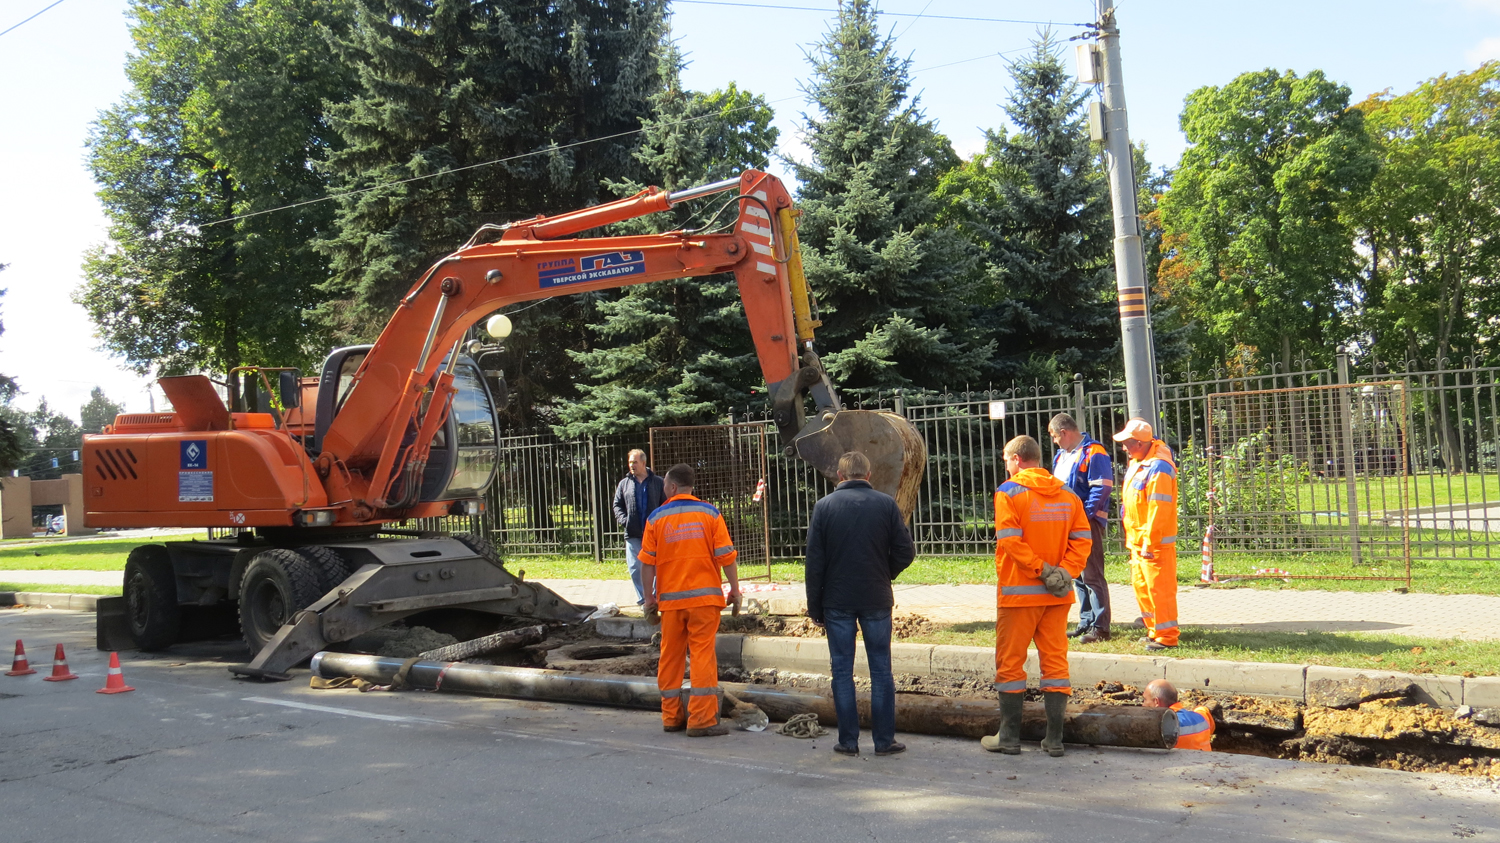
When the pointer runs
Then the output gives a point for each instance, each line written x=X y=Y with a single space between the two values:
x=857 y=544
x=1085 y=467
x=637 y=495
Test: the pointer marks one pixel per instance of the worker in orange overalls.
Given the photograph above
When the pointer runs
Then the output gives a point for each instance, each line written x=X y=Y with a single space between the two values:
x=1148 y=509
x=685 y=545
x=1042 y=542
x=1195 y=727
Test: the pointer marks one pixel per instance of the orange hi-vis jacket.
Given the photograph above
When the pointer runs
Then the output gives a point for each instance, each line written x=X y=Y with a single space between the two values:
x=1148 y=503
x=1038 y=520
x=1195 y=728
x=687 y=541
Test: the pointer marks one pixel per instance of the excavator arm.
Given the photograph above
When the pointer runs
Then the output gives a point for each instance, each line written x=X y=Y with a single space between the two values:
x=401 y=392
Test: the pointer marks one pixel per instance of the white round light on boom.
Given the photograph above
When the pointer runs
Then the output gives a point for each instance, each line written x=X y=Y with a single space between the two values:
x=498 y=326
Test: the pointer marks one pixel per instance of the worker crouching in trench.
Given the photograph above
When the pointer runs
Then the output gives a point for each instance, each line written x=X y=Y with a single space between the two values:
x=1042 y=542
x=685 y=545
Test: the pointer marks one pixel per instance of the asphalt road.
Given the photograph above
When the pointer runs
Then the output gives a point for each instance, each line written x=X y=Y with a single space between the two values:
x=194 y=755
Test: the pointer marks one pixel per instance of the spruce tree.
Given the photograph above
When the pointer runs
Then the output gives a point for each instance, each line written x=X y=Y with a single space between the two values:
x=550 y=89
x=1035 y=204
x=891 y=284
x=677 y=352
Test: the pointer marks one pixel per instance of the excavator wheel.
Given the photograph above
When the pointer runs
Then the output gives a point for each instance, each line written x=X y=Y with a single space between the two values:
x=481 y=546
x=151 y=597
x=331 y=567
x=898 y=456
x=278 y=583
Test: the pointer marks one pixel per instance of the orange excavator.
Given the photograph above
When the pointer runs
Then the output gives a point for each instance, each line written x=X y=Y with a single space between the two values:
x=312 y=471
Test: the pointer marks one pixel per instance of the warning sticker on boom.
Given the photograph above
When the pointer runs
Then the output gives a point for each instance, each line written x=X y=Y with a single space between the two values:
x=557 y=273
x=195 y=487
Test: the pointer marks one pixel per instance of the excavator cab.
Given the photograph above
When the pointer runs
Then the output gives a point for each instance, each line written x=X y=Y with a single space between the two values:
x=463 y=452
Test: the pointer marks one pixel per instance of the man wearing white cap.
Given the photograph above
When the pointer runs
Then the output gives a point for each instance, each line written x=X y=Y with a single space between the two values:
x=1148 y=509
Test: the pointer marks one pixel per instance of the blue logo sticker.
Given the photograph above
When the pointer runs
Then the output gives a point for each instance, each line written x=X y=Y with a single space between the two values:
x=557 y=273
x=194 y=454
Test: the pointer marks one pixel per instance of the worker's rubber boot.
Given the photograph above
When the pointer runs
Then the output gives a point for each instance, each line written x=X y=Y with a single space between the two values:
x=1008 y=739
x=715 y=731
x=1056 y=704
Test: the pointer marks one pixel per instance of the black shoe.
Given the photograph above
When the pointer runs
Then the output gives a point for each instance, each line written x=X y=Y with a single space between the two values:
x=1157 y=645
x=895 y=747
x=674 y=727
x=842 y=749
x=1077 y=631
x=1093 y=636
x=716 y=731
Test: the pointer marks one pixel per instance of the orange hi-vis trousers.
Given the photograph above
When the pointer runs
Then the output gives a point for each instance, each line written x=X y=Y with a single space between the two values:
x=1015 y=628
x=685 y=631
x=1155 y=584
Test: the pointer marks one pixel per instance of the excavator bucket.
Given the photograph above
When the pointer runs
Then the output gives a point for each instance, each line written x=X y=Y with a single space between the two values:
x=895 y=449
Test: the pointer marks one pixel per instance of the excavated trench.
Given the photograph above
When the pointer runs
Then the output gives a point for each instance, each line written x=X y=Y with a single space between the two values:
x=1380 y=726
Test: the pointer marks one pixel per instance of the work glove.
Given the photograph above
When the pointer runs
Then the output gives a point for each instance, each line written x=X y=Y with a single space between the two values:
x=1056 y=580
x=653 y=615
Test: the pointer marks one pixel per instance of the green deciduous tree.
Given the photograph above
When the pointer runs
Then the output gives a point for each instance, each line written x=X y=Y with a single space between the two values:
x=892 y=283
x=98 y=412
x=12 y=428
x=482 y=112
x=1035 y=206
x=677 y=352
x=1259 y=254
x=1431 y=223
x=223 y=119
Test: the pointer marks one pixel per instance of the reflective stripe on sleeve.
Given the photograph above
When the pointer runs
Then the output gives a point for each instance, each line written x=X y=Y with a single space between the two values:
x=695 y=592
x=1157 y=496
x=649 y=552
x=1023 y=589
x=1008 y=533
x=1169 y=540
x=1010 y=687
x=1080 y=534
x=724 y=551
x=1054 y=683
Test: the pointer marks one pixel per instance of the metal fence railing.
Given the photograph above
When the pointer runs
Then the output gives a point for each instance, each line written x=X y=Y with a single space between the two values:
x=553 y=495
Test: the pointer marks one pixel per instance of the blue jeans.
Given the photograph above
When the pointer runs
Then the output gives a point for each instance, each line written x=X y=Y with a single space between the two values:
x=633 y=562
x=876 y=626
x=1093 y=589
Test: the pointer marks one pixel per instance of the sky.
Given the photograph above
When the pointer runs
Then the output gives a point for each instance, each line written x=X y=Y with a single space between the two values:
x=66 y=65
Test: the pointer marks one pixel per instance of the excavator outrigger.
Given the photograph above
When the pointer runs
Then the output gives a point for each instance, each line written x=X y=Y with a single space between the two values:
x=405 y=428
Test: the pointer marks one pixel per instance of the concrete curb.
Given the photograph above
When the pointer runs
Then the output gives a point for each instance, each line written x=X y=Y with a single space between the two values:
x=1261 y=679
x=52 y=600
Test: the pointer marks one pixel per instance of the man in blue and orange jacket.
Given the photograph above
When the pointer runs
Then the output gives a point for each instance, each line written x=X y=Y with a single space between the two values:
x=1084 y=465
x=1041 y=542
x=685 y=546
x=1195 y=726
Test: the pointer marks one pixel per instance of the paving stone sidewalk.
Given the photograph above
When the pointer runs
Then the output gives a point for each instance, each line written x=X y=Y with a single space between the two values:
x=1469 y=616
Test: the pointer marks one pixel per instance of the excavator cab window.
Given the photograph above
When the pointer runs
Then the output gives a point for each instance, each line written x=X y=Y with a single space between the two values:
x=462 y=461
x=334 y=386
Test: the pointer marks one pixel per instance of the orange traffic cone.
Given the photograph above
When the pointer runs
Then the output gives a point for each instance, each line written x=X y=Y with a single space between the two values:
x=115 y=682
x=20 y=667
x=60 y=672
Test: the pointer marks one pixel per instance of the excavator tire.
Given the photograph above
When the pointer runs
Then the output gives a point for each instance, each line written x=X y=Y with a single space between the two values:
x=151 y=597
x=278 y=583
x=332 y=567
x=481 y=546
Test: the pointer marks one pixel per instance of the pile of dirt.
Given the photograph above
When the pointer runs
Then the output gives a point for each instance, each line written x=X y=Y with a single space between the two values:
x=787 y=626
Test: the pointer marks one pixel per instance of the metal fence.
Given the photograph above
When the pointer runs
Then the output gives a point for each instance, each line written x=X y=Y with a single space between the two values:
x=553 y=495
x=729 y=462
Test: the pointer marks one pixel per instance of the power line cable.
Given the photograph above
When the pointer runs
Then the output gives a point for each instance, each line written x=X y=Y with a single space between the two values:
x=32 y=18
x=882 y=12
x=508 y=159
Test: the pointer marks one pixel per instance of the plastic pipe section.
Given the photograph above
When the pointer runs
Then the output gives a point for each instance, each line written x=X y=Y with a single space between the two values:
x=1095 y=725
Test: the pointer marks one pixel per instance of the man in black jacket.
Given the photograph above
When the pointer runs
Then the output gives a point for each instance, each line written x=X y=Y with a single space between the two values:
x=637 y=495
x=857 y=544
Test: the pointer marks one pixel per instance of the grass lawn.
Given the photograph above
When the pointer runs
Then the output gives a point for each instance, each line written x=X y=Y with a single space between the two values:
x=1381 y=493
x=1371 y=651
x=94 y=555
x=53 y=588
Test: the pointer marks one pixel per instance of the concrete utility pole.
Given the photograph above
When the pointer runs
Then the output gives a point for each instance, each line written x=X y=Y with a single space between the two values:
x=1130 y=263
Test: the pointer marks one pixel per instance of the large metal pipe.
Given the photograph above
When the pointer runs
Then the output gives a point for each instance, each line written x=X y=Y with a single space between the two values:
x=1096 y=725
